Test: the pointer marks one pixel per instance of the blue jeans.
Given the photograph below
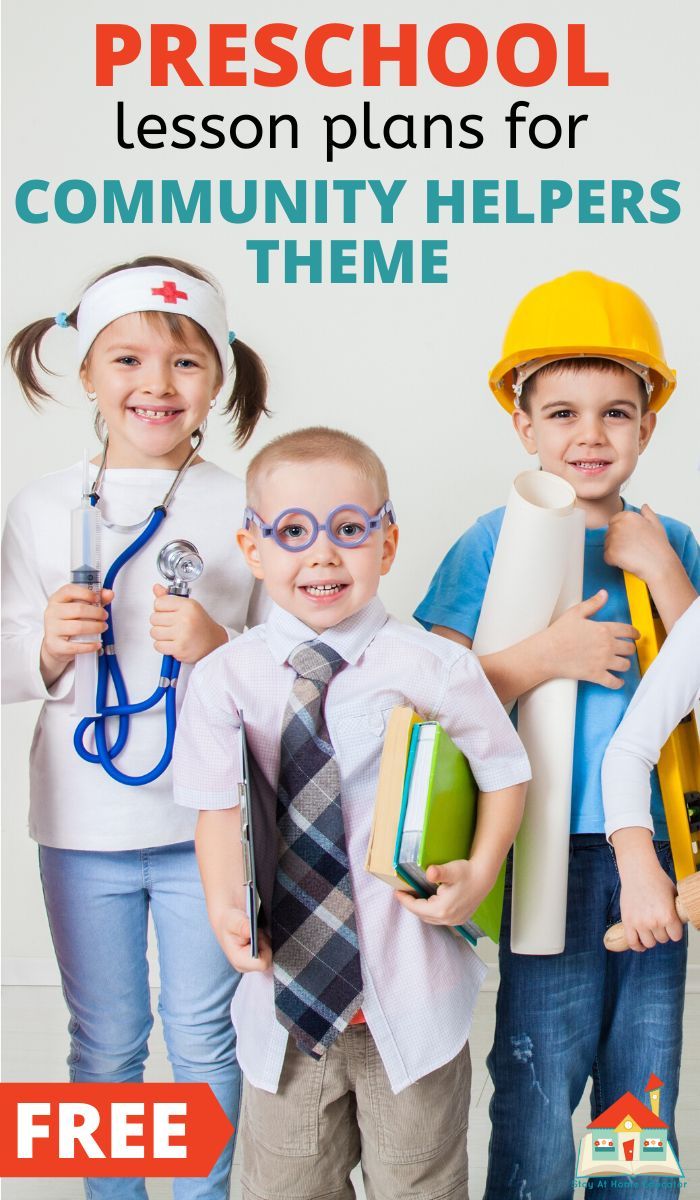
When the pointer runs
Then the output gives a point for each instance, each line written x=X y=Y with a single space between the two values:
x=561 y=1018
x=97 y=903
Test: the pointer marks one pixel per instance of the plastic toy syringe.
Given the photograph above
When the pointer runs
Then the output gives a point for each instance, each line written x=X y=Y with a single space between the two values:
x=85 y=570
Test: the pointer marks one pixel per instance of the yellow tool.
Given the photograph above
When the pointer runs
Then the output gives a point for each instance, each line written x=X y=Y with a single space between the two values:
x=679 y=772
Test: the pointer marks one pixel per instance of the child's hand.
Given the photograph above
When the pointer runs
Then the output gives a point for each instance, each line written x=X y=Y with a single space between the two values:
x=637 y=542
x=461 y=888
x=232 y=929
x=181 y=627
x=72 y=611
x=583 y=649
x=648 y=909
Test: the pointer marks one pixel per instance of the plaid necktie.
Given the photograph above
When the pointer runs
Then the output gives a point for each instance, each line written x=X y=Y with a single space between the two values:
x=318 y=983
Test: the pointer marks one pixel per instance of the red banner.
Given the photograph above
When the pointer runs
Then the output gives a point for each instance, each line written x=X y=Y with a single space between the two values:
x=129 y=1129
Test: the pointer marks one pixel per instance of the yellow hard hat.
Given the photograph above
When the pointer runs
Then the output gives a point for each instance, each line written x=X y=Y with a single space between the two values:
x=583 y=314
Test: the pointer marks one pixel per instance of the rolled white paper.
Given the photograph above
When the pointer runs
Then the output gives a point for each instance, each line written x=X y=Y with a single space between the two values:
x=530 y=562
x=536 y=574
x=546 y=724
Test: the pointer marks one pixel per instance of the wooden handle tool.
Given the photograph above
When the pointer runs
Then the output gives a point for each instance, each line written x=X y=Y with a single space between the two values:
x=687 y=907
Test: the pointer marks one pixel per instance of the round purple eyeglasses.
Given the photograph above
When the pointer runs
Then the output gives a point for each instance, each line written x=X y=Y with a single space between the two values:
x=296 y=529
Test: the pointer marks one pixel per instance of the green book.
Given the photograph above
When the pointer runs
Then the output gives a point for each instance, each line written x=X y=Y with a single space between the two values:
x=438 y=820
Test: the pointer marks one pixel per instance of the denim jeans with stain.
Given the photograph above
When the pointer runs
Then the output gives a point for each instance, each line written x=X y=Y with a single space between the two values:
x=98 y=904
x=564 y=1017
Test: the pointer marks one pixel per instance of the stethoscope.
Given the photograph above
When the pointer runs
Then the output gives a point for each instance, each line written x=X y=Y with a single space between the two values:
x=180 y=564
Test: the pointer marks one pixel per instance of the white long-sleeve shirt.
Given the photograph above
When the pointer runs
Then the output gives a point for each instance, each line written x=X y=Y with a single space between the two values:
x=419 y=982
x=669 y=691
x=74 y=804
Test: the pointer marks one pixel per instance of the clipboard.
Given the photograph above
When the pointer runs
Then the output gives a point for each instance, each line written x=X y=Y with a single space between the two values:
x=247 y=841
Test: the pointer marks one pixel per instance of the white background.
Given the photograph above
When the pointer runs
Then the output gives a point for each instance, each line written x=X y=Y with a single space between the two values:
x=404 y=367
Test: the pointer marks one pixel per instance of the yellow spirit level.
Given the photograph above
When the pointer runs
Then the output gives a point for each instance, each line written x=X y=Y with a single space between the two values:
x=679 y=761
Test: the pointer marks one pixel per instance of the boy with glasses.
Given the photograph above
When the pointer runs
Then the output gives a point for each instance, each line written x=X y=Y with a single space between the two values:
x=353 y=1023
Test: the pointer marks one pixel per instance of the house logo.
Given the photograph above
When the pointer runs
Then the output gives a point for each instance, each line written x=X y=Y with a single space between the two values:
x=629 y=1138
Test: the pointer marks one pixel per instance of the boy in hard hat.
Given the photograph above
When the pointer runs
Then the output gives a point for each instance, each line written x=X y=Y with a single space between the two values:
x=583 y=374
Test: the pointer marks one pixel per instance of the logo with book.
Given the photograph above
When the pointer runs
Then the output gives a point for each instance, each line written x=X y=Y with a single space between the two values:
x=629 y=1138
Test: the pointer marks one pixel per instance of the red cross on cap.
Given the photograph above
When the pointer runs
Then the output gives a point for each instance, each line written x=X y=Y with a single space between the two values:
x=169 y=292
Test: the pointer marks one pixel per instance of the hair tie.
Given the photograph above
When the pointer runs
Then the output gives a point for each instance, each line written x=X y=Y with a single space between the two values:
x=231 y=337
x=62 y=320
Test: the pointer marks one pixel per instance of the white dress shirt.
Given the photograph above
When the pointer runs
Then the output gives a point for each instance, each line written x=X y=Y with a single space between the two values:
x=419 y=981
x=669 y=691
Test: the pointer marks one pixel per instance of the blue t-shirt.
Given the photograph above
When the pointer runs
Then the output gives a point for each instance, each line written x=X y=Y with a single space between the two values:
x=455 y=597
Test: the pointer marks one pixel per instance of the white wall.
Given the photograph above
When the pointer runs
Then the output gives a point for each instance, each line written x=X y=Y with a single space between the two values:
x=404 y=366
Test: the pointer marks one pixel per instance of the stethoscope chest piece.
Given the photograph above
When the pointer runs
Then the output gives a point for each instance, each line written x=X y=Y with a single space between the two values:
x=180 y=564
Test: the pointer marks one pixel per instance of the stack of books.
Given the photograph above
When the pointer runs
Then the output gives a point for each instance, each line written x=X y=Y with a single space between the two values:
x=425 y=815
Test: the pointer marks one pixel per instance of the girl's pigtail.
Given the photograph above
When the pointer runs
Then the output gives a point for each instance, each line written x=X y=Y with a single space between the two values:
x=247 y=401
x=24 y=353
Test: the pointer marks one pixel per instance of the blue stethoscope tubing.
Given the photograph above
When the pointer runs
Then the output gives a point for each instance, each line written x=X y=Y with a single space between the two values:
x=109 y=669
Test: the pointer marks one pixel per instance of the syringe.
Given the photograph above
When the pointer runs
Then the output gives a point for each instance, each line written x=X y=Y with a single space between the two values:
x=85 y=570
